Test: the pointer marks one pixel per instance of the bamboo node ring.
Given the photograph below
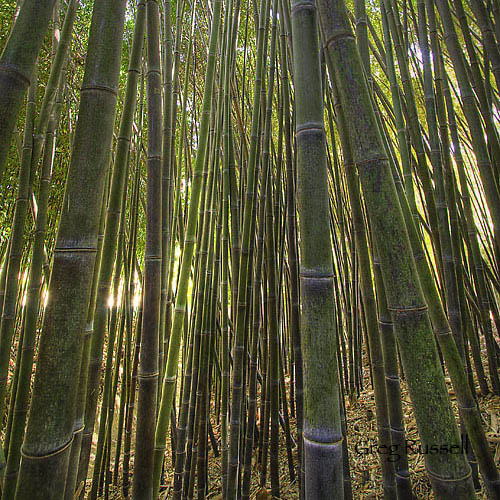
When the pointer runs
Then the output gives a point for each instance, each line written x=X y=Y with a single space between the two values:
x=320 y=443
x=371 y=160
x=443 y=331
x=49 y=455
x=402 y=310
x=302 y=5
x=467 y=408
x=145 y=376
x=7 y=68
x=402 y=474
x=75 y=249
x=312 y=274
x=383 y=322
x=105 y=88
x=309 y=126
x=450 y=479
x=338 y=35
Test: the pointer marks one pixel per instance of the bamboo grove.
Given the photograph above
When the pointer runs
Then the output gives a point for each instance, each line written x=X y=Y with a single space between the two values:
x=227 y=227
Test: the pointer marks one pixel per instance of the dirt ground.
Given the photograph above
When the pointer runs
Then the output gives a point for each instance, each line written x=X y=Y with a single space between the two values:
x=365 y=466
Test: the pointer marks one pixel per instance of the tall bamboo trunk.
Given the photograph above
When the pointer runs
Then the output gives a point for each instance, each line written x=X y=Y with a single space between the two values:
x=49 y=432
x=91 y=367
x=322 y=416
x=450 y=476
x=167 y=393
x=148 y=362
x=17 y=63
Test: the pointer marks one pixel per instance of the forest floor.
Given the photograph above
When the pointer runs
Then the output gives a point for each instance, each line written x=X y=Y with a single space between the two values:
x=364 y=465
